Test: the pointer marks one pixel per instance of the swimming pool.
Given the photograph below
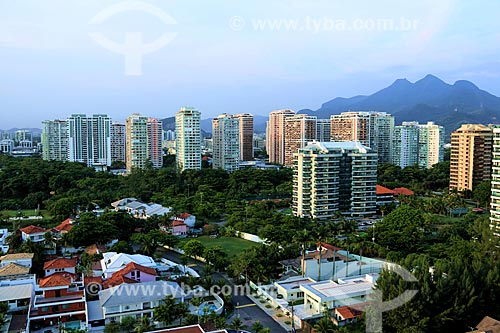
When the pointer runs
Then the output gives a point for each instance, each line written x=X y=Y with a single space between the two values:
x=75 y=325
x=206 y=308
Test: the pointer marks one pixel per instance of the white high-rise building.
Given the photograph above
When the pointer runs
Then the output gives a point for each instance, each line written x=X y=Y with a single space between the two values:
x=55 y=140
x=89 y=139
x=226 y=142
x=323 y=130
x=414 y=143
x=188 y=138
x=143 y=142
x=118 y=143
x=331 y=177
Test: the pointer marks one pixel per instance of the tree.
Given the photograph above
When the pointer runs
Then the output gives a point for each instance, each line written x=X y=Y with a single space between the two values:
x=302 y=238
x=237 y=324
x=194 y=248
x=128 y=324
x=482 y=194
x=197 y=301
x=121 y=247
x=216 y=257
x=143 y=325
x=166 y=312
x=152 y=240
x=112 y=327
x=90 y=230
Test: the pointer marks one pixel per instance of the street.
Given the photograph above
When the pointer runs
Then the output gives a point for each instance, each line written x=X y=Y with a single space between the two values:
x=244 y=307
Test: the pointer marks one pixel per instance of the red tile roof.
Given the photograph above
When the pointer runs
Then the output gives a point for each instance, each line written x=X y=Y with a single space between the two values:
x=184 y=216
x=119 y=277
x=65 y=226
x=57 y=279
x=330 y=247
x=92 y=279
x=33 y=229
x=176 y=223
x=59 y=263
x=383 y=190
x=403 y=191
x=348 y=313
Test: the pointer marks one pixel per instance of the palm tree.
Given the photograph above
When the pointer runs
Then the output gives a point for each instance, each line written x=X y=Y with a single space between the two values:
x=303 y=238
x=144 y=325
x=197 y=301
x=237 y=324
x=324 y=325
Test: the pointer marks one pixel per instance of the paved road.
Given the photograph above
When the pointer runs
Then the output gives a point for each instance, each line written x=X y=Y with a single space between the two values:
x=244 y=307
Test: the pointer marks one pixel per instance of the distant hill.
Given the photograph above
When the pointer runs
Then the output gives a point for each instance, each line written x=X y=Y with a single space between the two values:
x=259 y=124
x=429 y=99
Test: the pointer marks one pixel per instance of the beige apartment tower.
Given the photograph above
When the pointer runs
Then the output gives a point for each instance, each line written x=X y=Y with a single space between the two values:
x=300 y=130
x=246 y=136
x=275 y=135
x=470 y=157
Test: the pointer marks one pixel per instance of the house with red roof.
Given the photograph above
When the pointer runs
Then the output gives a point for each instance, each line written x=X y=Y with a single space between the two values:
x=62 y=302
x=385 y=196
x=403 y=191
x=63 y=228
x=188 y=219
x=131 y=273
x=176 y=228
x=34 y=233
x=59 y=265
x=345 y=315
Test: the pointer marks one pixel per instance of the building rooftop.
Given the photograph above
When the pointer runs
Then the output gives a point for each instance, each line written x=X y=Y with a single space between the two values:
x=345 y=288
x=381 y=190
x=13 y=269
x=336 y=145
x=17 y=256
x=57 y=279
x=488 y=324
x=403 y=191
x=59 y=263
x=33 y=229
x=64 y=226
x=16 y=292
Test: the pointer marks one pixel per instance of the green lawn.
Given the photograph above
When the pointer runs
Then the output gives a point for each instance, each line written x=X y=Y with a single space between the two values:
x=26 y=212
x=231 y=245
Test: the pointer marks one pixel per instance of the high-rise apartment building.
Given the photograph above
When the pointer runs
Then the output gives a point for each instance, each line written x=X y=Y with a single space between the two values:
x=275 y=135
x=300 y=129
x=143 y=142
x=225 y=143
x=23 y=138
x=430 y=144
x=188 y=139
x=421 y=144
x=331 y=177
x=118 y=143
x=323 y=130
x=155 y=138
x=89 y=139
x=370 y=128
x=246 y=136
x=495 y=183
x=55 y=140
x=470 y=156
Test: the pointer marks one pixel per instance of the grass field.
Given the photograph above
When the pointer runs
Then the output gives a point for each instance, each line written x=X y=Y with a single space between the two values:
x=231 y=245
x=26 y=212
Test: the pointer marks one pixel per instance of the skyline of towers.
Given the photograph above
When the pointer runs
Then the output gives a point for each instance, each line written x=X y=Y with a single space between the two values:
x=225 y=142
x=188 y=139
x=470 y=156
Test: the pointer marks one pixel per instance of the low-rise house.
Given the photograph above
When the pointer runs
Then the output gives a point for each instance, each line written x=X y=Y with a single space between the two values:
x=385 y=196
x=187 y=218
x=17 y=297
x=14 y=274
x=34 y=233
x=131 y=273
x=62 y=303
x=23 y=259
x=289 y=289
x=63 y=228
x=4 y=246
x=349 y=291
x=113 y=262
x=403 y=191
x=139 y=209
x=59 y=265
x=136 y=300
x=487 y=325
x=345 y=315
x=176 y=228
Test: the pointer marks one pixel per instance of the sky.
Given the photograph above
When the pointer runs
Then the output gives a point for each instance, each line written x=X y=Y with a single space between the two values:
x=59 y=57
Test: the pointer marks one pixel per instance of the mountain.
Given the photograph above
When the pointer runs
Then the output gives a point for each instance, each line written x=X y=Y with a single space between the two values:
x=35 y=131
x=428 y=99
x=169 y=124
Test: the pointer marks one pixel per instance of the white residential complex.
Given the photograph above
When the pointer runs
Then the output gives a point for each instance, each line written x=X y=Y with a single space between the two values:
x=55 y=140
x=89 y=139
x=419 y=144
x=144 y=137
x=188 y=139
x=331 y=177
x=225 y=140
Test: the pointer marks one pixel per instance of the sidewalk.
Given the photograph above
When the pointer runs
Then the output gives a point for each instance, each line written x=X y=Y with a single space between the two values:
x=273 y=313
